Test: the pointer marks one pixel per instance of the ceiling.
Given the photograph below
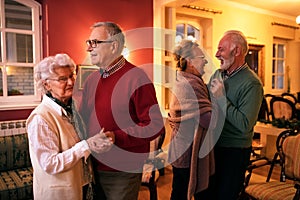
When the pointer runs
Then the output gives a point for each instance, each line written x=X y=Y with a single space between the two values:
x=286 y=7
x=289 y=8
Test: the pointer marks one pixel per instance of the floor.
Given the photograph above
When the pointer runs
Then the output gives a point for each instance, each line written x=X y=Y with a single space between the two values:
x=164 y=182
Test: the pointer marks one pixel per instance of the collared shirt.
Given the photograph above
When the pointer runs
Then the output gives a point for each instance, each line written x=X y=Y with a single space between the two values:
x=113 y=68
x=45 y=143
x=226 y=75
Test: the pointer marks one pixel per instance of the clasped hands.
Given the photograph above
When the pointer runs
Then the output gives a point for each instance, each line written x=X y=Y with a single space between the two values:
x=217 y=88
x=101 y=142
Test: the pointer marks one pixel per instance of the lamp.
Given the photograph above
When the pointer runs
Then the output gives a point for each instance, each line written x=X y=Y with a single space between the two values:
x=298 y=20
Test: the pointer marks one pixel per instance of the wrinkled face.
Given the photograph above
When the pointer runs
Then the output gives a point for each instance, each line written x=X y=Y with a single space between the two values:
x=226 y=53
x=101 y=54
x=61 y=85
x=198 y=61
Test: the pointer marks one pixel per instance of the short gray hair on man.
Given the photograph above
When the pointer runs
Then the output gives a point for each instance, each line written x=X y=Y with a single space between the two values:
x=238 y=38
x=114 y=31
x=45 y=68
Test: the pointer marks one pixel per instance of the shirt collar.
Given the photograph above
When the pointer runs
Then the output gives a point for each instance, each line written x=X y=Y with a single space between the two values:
x=57 y=108
x=113 y=68
x=227 y=75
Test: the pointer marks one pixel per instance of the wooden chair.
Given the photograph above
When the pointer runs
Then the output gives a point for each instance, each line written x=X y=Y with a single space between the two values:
x=288 y=187
x=268 y=98
x=282 y=108
x=290 y=97
x=154 y=166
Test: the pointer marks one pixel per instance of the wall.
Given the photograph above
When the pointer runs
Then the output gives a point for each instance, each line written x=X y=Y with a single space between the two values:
x=255 y=24
x=66 y=26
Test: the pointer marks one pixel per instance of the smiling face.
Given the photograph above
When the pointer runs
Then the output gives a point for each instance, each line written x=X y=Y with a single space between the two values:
x=226 y=54
x=61 y=84
x=198 y=61
x=104 y=53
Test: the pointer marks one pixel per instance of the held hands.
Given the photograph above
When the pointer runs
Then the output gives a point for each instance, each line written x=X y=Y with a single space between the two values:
x=101 y=142
x=217 y=88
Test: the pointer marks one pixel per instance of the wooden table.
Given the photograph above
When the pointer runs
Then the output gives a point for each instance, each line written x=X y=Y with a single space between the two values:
x=268 y=135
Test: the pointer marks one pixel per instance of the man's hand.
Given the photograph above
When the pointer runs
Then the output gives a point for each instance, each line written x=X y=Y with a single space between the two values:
x=110 y=135
x=217 y=88
x=100 y=143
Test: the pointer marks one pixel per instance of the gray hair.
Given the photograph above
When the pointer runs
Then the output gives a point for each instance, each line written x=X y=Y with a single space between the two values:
x=238 y=38
x=114 y=31
x=44 y=69
x=183 y=51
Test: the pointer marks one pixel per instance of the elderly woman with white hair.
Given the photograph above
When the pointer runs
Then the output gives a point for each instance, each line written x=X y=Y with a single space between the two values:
x=57 y=147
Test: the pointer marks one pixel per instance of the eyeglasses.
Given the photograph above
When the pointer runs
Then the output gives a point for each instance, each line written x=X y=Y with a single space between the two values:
x=93 y=43
x=63 y=79
x=202 y=57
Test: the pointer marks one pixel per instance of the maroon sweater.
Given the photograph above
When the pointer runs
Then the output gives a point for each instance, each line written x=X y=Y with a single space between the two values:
x=125 y=103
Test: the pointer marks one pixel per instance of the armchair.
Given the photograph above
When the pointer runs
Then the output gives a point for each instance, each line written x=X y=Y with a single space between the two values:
x=288 y=187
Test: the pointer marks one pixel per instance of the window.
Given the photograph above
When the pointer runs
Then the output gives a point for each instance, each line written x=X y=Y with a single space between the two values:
x=20 y=51
x=278 y=65
x=186 y=31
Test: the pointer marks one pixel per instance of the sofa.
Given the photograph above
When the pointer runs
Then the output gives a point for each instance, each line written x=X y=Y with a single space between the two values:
x=15 y=165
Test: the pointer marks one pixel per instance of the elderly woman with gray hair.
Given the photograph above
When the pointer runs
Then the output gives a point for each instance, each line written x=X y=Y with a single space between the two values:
x=189 y=117
x=58 y=149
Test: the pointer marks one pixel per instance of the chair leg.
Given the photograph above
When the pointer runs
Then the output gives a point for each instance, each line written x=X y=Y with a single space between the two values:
x=153 y=192
x=272 y=166
x=297 y=195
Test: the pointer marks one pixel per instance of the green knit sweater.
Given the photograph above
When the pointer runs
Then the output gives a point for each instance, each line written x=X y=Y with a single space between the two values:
x=244 y=94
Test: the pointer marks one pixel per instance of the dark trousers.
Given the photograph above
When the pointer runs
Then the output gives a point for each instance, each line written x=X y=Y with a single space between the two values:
x=231 y=165
x=181 y=177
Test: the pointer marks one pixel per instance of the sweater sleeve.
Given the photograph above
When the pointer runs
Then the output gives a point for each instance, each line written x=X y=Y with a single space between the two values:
x=45 y=145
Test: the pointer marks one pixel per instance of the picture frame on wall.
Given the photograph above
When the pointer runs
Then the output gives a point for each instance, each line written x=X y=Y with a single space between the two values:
x=83 y=72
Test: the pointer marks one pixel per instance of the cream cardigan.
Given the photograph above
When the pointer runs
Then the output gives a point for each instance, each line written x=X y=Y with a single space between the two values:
x=66 y=184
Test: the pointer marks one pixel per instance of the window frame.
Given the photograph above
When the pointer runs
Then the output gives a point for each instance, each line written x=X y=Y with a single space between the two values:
x=275 y=59
x=23 y=101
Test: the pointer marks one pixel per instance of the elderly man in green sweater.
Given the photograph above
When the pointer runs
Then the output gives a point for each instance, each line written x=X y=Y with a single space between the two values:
x=243 y=92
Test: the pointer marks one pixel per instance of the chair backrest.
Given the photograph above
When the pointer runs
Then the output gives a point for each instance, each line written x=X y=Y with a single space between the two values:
x=282 y=108
x=268 y=98
x=290 y=97
x=263 y=114
x=291 y=151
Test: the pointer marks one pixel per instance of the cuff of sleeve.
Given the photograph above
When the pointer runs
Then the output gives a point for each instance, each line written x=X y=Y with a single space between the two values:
x=83 y=147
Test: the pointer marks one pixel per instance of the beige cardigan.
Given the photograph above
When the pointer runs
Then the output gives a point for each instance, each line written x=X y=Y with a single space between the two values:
x=68 y=184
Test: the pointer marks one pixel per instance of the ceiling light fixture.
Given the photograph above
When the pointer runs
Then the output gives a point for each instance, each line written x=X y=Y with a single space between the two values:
x=298 y=20
x=203 y=9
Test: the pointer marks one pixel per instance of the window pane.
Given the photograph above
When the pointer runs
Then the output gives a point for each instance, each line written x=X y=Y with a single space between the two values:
x=19 y=48
x=20 y=80
x=280 y=51
x=1 y=82
x=17 y=16
x=180 y=29
x=273 y=66
x=280 y=66
x=179 y=33
x=193 y=33
x=279 y=82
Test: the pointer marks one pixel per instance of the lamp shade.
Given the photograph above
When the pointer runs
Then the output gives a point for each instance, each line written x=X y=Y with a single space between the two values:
x=298 y=20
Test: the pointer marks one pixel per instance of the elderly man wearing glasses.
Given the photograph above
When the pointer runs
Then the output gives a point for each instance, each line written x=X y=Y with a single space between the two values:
x=120 y=98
